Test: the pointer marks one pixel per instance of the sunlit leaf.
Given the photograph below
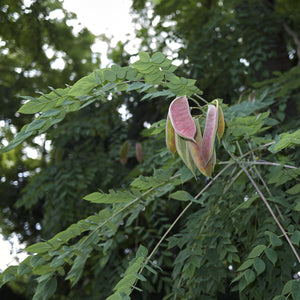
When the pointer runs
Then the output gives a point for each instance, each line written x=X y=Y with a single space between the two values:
x=181 y=196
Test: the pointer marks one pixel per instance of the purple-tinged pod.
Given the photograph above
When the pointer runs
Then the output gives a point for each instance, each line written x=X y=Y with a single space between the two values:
x=195 y=151
x=124 y=152
x=184 y=153
x=209 y=168
x=170 y=136
x=181 y=118
x=221 y=121
x=139 y=152
x=209 y=135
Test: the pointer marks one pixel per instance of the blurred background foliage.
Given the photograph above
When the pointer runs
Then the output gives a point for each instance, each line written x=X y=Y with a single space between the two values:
x=235 y=49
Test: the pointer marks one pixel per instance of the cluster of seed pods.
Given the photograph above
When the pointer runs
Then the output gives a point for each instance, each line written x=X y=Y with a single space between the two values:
x=125 y=150
x=183 y=134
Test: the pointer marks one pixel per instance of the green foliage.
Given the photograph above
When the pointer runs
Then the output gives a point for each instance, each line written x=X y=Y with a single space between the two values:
x=215 y=236
x=32 y=44
x=54 y=106
x=235 y=235
x=286 y=140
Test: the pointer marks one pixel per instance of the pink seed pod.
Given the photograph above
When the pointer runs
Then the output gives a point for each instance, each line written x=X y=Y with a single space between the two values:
x=139 y=152
x=221 y=121
x=209 y=135
x=184 y=153
x=170 y=136
x=181 y=118
x=195 y=150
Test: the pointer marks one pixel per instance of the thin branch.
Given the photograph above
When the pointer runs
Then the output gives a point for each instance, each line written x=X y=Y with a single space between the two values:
x=264 y=184
x=258 y=162
x=165 y=234
x=201 y=98
x=232 y=181
x=259 y=147
x=120 y=210
x=196 y=102
x=265 y=202
x=251 y=151
x=271 y=211
x=296 y=39
x=180 y=215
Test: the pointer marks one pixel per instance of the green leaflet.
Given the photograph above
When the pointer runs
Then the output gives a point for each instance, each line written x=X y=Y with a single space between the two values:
x=181 y=86
x=112 y=197
x=41 y=247
x=131 y=274
x=152 y=68
x=294 y=190
x=256 y=251
x=248 y=263
x=246 y=204
x=8 y=274
x=181 y=196
x=274 y=239
x=45 y=289
x=32 y=107
x=286 y=140
x=20 y=137
x=143 y=183
x=292 y=287
x=145 y=74
x=249 y=276
x=248 y=126
x=271 y=255
x=36 y=124
x=83 y=86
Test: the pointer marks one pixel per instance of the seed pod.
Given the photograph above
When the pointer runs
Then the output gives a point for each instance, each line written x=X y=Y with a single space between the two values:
x=209 y=134
x=221 y=121
x=195 y=151
x=184 y=153
x=124 y=152
x=139 y=152
x=209 y=168
x=170 y=136
x=181 y=118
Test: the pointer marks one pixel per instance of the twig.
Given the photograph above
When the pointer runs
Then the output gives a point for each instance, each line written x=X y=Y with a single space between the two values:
x=201 y=98
x=180 y=215
x=232 y=181
x=296 y=39
x=265 y=202
x=264 y=184
x=272 y=213
x=271 y=164
x=120 y=210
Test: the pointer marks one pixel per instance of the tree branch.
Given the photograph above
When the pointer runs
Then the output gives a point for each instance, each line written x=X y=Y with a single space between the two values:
x=296 y=39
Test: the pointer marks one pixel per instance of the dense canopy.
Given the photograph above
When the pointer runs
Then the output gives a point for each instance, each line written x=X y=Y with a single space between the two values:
x=105 y=209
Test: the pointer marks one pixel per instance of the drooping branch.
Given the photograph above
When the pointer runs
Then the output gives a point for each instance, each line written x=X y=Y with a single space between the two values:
x=296 y=39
